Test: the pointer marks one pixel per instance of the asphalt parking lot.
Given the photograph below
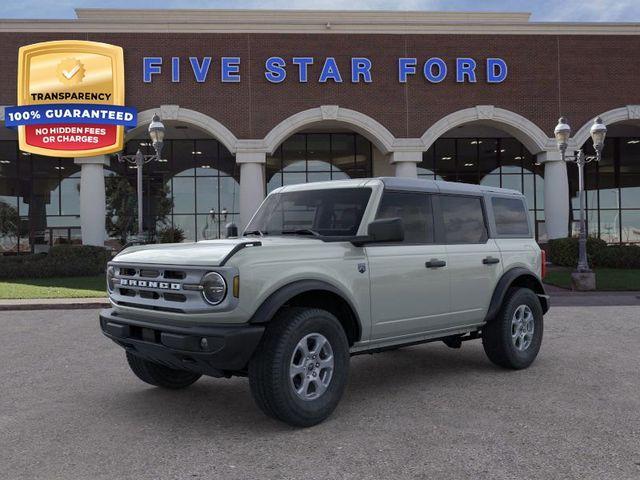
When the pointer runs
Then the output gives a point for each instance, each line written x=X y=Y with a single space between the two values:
x=70 y=409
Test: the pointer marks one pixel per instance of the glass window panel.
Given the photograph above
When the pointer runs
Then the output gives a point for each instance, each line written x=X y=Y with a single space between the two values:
x=415 y=211
x=294 y=153
x=488 y=155
x=182 y=159
x=68 y=167
x=445 y=158
x=468 y=178
x=59 y=221
x=529 y=190
x=206 y=153
x=513 y=182
x=630 y=191
x=539 y=181
x=293 y=178
x=511 y=155
x=183 y=195
x=274 y=182
x=340 y=176
x=490 y=181
x=426 y=166
x=609 y=226
x=320 y=176
x=208 y=227
x=45 y=196
x=44 y=166
x=343 y=151
x=227 y=164
x=631 y=226
x=70 y=196
x=608 y=191
x=8 y=158
x=207 y=195
x=467 y=152
x=188 y=225
x=363 y=155
x=511 y=216
x=319 y=152
x=463 y=219
x=229 y=194
x=629 y=154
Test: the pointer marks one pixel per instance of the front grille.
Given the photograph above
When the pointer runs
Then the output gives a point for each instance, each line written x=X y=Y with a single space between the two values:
x=161 y=288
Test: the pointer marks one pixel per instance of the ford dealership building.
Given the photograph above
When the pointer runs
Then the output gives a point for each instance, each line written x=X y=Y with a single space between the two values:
x=253 y=100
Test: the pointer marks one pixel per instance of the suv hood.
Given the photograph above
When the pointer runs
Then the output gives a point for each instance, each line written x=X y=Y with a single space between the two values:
x=205 y=253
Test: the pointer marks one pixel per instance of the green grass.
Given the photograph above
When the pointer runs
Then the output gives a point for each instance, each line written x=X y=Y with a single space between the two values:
x=607 y=279
x=70 y=287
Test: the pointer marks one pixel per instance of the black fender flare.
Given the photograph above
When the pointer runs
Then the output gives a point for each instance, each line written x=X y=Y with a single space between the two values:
x=280 y=297
x=523 y=277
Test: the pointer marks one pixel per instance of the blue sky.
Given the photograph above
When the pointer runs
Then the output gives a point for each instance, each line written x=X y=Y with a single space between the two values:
x=542 y=10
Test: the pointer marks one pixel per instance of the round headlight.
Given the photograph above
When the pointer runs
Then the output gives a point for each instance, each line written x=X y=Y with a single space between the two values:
x=214 y=288
x=111 y=272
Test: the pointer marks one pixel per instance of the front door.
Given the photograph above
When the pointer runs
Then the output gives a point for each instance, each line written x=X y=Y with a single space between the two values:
x=409 y=280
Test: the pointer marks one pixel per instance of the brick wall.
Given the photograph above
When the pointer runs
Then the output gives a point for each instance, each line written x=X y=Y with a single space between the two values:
x=578 y=76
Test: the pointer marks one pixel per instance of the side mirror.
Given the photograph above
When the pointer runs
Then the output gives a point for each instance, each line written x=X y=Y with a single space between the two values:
x=232 y=230
x=386 y=230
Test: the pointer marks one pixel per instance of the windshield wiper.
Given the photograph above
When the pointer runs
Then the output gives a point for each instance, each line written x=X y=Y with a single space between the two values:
x=301 y=231
x=255 y=232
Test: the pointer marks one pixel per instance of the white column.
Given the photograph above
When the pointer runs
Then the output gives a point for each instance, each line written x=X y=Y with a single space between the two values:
x=252 y=184
x=406 y=163
x=556 y=194
x=93 y=208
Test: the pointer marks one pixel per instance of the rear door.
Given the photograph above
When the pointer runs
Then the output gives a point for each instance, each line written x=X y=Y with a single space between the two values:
x=474 y=258
x=409 y=280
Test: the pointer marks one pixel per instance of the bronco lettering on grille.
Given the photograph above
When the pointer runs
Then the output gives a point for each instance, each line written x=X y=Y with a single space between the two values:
x=128 y=282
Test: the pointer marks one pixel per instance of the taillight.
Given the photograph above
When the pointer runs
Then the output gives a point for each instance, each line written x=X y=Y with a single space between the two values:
x=543 y=263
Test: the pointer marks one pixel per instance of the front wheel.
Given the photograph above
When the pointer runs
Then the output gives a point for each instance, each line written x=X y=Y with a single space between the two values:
x=513 y=338
x=159 y=375
x=299 y=372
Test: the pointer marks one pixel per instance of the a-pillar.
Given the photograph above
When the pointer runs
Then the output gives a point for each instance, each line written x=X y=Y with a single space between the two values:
x=556 y=194
x=406 y=163
x=93 y=208
x=252 y=184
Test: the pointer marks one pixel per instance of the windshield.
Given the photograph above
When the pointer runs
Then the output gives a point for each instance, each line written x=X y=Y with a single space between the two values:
x=323 y=212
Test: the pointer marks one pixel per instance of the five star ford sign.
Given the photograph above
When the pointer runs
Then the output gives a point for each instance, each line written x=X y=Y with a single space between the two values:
x=70 y=99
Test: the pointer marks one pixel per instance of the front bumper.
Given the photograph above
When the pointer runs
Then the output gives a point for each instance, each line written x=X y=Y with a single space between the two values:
x=227 y=349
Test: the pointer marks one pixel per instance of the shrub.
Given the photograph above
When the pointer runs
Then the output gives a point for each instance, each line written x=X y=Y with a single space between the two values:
x=564 y=252
x=61 y=261
x=171 y=235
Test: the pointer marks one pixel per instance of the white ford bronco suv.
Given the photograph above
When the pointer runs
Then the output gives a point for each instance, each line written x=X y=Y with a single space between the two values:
x=328 y=270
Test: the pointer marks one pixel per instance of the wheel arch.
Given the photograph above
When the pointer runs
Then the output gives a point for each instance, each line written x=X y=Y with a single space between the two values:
x=316 y=294
x=516 y=277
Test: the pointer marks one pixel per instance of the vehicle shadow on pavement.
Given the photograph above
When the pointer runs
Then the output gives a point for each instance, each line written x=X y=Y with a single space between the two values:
x=227 y=403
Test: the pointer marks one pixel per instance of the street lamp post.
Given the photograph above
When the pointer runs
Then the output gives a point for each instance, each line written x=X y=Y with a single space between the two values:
x=156 y=133
x=598 y=132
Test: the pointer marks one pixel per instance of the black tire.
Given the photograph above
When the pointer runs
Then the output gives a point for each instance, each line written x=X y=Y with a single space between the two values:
x=159 y=375
x=269 y=374
x=497 y=334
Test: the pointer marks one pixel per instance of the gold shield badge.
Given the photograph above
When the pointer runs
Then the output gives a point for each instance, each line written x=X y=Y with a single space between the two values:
x=69 y=96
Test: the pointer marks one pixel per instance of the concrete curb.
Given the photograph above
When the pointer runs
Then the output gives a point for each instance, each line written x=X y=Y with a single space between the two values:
x=53 y=304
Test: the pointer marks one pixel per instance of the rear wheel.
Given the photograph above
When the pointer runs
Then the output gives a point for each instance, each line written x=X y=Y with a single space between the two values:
x=159 y=375
x=513 y=338
x=300 y=369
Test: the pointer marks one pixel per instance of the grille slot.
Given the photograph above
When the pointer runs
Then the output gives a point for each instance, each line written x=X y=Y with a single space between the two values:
x=149 y=294
x=174 y=274
x=127 y=272
x=149 y=273
x=175 y=297
x=127 y=292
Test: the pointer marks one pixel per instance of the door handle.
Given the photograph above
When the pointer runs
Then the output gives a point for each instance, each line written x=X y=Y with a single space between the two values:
x=435 y=263
x=490 y=260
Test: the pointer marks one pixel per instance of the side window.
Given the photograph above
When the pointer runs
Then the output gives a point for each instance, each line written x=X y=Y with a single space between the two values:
x=511 y=216
x=463 y=219
x=415 y=211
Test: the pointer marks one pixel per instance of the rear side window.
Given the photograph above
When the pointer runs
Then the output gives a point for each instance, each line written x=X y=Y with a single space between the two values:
x=415 y=211
x=463 y=219
x=511 y=216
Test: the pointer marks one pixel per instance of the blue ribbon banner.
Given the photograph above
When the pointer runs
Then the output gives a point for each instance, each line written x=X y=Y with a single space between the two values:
x=70 y=113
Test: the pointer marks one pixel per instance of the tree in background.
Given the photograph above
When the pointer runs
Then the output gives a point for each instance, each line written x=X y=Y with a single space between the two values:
x=122 y=208
x=9 y=223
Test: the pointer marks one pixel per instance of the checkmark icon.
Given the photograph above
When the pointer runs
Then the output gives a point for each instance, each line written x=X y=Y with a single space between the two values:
x=71 y=73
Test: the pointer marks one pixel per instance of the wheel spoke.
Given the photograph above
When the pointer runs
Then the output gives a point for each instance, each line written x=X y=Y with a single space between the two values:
x=295 y=370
